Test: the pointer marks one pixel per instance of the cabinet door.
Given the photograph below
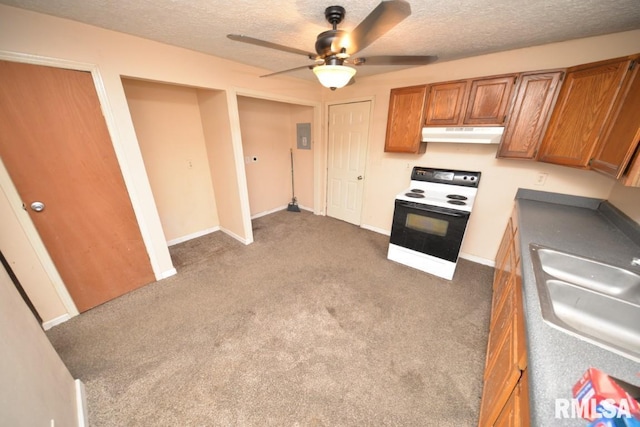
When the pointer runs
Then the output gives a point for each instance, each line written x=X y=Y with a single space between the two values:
x=404 y=125
x=535 y=96
x=506 y=350
x=501 y=323
x=446 y=103
x=502 y=378
x=516 y=411
x=584 y=103
x=632 y=175
x=488 y=100
x=622 y=133
x=504 y=258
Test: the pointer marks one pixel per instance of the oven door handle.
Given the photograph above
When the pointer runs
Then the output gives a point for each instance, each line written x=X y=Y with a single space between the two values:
x=434 y=209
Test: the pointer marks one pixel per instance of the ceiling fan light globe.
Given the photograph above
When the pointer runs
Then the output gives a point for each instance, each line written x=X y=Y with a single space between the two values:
x=334 y=76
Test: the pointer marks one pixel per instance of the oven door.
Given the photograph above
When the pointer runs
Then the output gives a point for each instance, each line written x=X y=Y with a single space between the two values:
x=431 y=230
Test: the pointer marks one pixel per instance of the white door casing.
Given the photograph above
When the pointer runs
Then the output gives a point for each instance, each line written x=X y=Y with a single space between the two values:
x=346 y=159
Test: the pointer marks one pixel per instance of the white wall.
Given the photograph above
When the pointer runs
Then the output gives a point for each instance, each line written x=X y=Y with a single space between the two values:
x=268 y=133
x=627 y=199
x=168 y=125
x=36 y=387
x=29 y=36
x=388 y=173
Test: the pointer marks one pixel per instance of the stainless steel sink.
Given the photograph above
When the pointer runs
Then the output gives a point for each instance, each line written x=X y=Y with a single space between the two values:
x=597 y=302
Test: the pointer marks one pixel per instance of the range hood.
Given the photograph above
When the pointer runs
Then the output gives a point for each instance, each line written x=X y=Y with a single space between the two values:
x=462 y=135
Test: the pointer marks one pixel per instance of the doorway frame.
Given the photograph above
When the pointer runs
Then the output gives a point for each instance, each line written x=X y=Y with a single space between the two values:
x=326 y=145
x=318 y=142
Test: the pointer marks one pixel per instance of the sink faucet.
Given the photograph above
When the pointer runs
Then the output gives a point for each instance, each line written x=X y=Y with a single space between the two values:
x=636 y=262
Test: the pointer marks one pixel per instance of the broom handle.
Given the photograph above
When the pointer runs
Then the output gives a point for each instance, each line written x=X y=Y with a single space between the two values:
x=293 y=192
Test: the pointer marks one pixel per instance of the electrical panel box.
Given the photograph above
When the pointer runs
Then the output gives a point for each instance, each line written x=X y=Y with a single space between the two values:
x=303 y=132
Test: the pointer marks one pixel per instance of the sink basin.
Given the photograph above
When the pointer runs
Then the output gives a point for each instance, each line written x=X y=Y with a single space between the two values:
x=594 y=301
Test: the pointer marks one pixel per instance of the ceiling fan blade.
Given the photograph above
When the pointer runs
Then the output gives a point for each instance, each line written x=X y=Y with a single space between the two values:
x=262 y=43
x=395 y=60
x=310 y=67
x=383 y=18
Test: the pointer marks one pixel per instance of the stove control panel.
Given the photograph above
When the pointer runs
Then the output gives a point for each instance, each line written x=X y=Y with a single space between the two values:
x=446 y=176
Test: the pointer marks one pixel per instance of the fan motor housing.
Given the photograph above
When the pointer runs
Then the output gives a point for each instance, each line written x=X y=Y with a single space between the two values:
x=325 y=41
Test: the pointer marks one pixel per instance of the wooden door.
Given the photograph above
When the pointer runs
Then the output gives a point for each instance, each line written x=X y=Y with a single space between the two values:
x=347 y=153
x=446 y=103
x=404 y=123
x=579 y=117
x=57 y=149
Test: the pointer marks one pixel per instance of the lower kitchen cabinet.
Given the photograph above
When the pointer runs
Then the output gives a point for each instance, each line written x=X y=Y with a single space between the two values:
x=505 y=392
x=516 y=411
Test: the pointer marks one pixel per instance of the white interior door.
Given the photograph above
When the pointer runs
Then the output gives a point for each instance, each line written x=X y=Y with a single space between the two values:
x=347 y=151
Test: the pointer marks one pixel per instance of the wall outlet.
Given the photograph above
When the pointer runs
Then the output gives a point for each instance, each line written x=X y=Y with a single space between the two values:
x=541 y=178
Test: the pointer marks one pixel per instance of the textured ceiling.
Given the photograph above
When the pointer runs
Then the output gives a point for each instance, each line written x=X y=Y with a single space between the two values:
x=450 y=29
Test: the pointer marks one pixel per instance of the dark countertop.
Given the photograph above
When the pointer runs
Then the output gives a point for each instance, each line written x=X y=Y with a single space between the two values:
x=557 y=360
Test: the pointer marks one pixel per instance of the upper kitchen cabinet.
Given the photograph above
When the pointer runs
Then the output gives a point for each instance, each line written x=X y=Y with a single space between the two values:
x=631 y=177
x=445 y=103
x=404 y=123
x=583 y=110
x=535 y=95
x=622 y=131
x=474 y=102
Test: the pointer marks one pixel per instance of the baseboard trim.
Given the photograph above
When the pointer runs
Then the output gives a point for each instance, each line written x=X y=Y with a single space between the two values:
x=278 y=209
x=192 y=236
x=376 y=229
x=265 y=213
x=478 y=260
x=54 y=322
x=168 y=273
x=235 y=236
x=81 y=404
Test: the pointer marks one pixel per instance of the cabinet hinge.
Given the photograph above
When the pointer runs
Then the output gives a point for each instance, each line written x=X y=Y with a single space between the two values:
x=590 y=161
x=632 y=65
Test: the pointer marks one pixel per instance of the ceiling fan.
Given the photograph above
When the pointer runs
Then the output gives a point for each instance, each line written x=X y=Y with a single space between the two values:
x=335 y=47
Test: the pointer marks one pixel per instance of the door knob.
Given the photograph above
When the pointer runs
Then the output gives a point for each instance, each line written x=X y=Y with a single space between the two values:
x=360 y=178
x=37 y=206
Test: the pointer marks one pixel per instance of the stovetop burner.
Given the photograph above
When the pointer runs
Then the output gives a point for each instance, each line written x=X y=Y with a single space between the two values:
x=443 y=188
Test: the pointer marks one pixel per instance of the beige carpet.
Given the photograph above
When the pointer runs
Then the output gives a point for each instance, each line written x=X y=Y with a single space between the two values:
x=309 y=326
